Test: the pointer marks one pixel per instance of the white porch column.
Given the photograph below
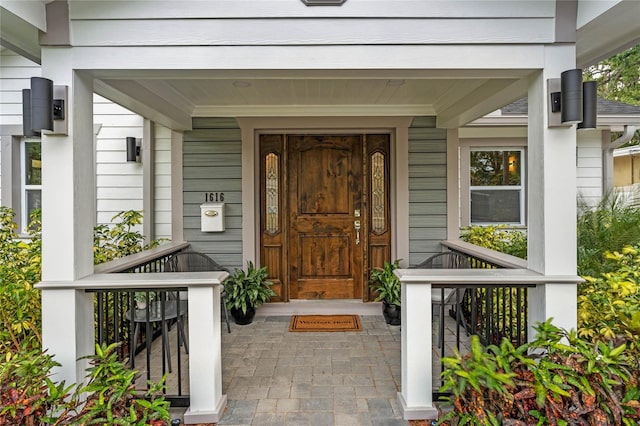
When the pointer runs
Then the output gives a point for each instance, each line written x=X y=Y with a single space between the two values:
x=68 y=218
x=551 y=199
x=416 y=394
x=205 y=357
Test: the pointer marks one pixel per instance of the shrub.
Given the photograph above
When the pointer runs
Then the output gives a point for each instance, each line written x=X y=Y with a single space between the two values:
x=29 y=397
x=498 y=238
x=573 y=382
x=611 y=225
x=121 y=239
x=609 y=305
x=20 y=262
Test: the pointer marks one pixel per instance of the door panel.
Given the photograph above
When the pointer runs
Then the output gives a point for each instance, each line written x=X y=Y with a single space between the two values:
x=272 y=210
x=325 y=190
x=313 y=189
x=378 y=188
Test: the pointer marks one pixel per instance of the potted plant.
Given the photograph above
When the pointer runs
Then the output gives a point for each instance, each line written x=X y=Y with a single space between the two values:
x=246 y=291
x=387 y=286
x=142 y=298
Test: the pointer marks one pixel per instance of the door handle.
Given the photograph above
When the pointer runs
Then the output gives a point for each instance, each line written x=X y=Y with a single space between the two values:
x=356 y=225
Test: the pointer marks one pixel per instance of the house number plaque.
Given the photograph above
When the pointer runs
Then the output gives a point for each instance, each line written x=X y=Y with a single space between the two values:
x=213 y=197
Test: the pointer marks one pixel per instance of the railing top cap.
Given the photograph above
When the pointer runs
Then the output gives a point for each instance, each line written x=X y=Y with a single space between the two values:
x=502 y=277
x=139 y=281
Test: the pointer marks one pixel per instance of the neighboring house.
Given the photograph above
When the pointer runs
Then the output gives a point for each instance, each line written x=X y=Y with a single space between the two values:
x=626 y=173
x=332 y=134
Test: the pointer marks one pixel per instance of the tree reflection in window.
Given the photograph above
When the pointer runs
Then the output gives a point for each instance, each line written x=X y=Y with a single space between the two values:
x=489 y=168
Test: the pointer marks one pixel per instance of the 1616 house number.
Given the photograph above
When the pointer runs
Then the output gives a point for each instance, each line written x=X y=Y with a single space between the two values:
x=213 y=197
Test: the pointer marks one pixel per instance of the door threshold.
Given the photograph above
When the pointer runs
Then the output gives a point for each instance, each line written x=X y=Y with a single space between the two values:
x=320 y=307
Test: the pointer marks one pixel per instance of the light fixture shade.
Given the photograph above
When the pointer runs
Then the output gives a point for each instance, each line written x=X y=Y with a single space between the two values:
x=27 y=129
x=41 y=104
x=589 y=105
x=571 y=96
x=132 y=149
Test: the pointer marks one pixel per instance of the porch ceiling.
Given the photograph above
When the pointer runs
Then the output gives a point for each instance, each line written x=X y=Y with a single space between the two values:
x=173 y=97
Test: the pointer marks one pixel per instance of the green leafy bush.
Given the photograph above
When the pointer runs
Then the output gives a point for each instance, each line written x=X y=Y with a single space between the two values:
x=574 y=381
x=498 y=238
x=609 y=305
x=120 y=239
x=28 y=396
x=610 y=226
x=20 y=266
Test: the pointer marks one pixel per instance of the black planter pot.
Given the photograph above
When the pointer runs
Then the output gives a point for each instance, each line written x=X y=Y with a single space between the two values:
x=392 y=313
x=241 y=318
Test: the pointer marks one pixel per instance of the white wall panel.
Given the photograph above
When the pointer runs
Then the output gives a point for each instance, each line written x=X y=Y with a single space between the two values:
x=309 y=31
x=162 y=182
x=15 y=74
x=118 y=183
x=589 y=166
x=296 y=9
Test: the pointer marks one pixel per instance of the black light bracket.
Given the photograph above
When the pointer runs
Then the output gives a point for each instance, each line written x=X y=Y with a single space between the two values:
x=555 y=104
x=60 y=122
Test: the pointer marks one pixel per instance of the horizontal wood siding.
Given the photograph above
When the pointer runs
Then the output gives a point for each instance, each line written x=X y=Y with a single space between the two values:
x=589 y=170
x=212 y=163
x=162 y=183
x=15 y=72
x=427 y=189
x=290 y=22
x=118 y=183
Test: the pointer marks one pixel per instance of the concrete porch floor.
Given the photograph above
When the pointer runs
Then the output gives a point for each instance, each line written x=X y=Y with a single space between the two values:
x=275 y=377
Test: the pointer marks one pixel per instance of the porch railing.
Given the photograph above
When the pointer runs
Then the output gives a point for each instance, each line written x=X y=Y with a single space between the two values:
x=417 y=385
x=493 y=312
x=149 y=350
x=68 y=331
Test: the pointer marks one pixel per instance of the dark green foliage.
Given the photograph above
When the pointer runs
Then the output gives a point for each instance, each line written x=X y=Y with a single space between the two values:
x=245 y=289
x=619 y=76
x=608 y=227
x=385 y=283
x=573 y=381
x=112 y=397
x=28 y=396
x=618 y=79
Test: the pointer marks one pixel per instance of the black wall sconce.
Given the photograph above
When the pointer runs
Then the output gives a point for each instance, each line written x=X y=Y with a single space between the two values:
x=133 y=150
x=44 y=108
x=571 y=101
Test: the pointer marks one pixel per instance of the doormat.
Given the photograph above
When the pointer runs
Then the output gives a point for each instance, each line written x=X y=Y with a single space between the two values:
x=325 y=323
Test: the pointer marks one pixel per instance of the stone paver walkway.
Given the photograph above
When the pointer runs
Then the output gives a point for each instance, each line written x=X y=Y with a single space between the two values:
x=274 y=377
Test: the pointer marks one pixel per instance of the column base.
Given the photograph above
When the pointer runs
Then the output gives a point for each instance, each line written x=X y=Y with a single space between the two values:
x=195 y=417
x=416 y=413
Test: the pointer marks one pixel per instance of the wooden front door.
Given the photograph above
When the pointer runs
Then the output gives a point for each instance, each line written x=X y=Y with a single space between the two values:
x=325 y=193
x=324 y=213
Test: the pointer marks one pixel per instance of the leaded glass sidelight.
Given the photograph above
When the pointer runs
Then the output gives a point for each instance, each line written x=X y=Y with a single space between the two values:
x=272 y=177
x=378 y=195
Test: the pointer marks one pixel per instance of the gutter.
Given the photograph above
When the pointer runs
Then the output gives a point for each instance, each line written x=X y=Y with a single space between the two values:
x=627 y=135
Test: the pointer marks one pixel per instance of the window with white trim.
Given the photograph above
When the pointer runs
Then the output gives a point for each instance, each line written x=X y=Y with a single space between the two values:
x=31 y=178
x=496 y=186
